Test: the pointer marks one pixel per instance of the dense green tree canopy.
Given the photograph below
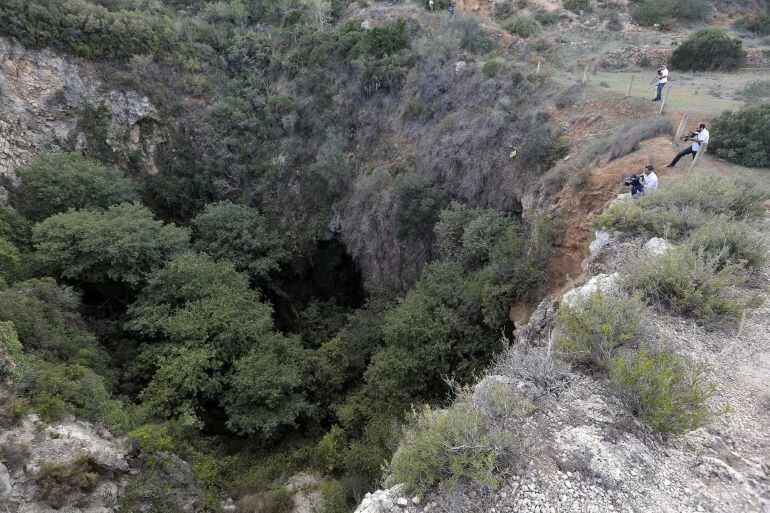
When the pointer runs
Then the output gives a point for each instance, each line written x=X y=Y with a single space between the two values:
x=243 y=236
x=121 y=245
x=55 y=183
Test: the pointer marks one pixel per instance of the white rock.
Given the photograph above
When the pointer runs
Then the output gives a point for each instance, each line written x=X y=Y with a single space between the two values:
x=606 y=283
x=657 y=246
x=403 y=502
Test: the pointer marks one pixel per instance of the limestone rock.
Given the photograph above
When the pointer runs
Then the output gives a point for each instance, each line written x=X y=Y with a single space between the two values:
x=657 y=246
x=606 y=283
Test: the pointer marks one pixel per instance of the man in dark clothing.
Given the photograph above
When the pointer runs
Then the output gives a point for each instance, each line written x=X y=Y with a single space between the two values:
x=701 y=136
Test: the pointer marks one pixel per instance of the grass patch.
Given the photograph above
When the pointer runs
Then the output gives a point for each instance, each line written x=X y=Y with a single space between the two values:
x=58 y=480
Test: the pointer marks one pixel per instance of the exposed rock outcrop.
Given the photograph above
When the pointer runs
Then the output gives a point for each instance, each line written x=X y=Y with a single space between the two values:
x=43 y=96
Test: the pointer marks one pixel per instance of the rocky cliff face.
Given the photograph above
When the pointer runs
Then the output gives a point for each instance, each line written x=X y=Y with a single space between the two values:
x=49 y=102
x=78 y=467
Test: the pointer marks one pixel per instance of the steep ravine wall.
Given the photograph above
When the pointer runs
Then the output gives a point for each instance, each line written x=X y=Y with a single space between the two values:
x=43 y=97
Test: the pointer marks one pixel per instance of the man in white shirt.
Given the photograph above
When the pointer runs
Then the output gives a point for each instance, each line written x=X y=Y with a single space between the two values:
x=650 y=178
x=701 y=136
x=662 y=79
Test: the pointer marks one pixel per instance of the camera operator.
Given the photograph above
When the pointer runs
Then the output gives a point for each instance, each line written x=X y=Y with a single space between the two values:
x=698 y=137
x=635 y=182
x=650 y=180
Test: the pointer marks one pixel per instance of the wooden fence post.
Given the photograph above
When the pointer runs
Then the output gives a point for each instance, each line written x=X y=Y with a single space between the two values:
x=537 y=71
x=665 y=99
x=630 y=84
x=682 y=124
x=585 y=74
x=696 y=160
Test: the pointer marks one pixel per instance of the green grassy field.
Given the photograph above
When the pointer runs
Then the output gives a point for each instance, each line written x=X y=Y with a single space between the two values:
x=705 y=93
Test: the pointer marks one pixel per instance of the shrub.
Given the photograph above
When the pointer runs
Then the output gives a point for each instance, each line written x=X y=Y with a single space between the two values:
x=10 y=353
x=241 y=235
x=121 y=245
x=731 y=242
x=709 y=49
x=522 y=26
x=662 y=391
x=277 y=500
x=14 y=455
x=58 y=480
x=492 y=67
x=742 y=136
x=577 y=5
x=613 y=22
x=536 y=365
x=593 y=330
x=567 y=96
x=546 y=18
x=690 y=282
x=664 y=12
x=445 y=448
x=152 y=438
x=55 y=183
x=757 y=90
x=684 y=205
x=758 y=24
x=10 y=262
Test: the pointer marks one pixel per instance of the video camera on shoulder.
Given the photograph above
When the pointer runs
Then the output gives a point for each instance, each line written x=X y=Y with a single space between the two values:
x=689 y=136
x=633 y=181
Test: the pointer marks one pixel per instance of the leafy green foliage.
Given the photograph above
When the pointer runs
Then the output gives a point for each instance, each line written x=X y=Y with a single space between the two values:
x=741 y=136
x=10 y=353
x=709 y=49
x=593 y=330
x=663 y=391
x=51 y=184
x=219 y=347
x=15 y=229
x=119 y=246
x=468 y=235
x=240 y=234
x=116 y=35
x=47 y=321
x=663 y=12
x=56 y=389
x=10 y=261
x=690 y=282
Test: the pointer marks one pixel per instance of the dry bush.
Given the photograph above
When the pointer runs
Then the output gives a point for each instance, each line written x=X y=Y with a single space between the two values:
x=536 y=365
x=270 y=501
x=14 y=455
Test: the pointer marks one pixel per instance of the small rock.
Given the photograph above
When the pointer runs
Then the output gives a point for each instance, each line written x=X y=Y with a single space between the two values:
x=402 y=502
